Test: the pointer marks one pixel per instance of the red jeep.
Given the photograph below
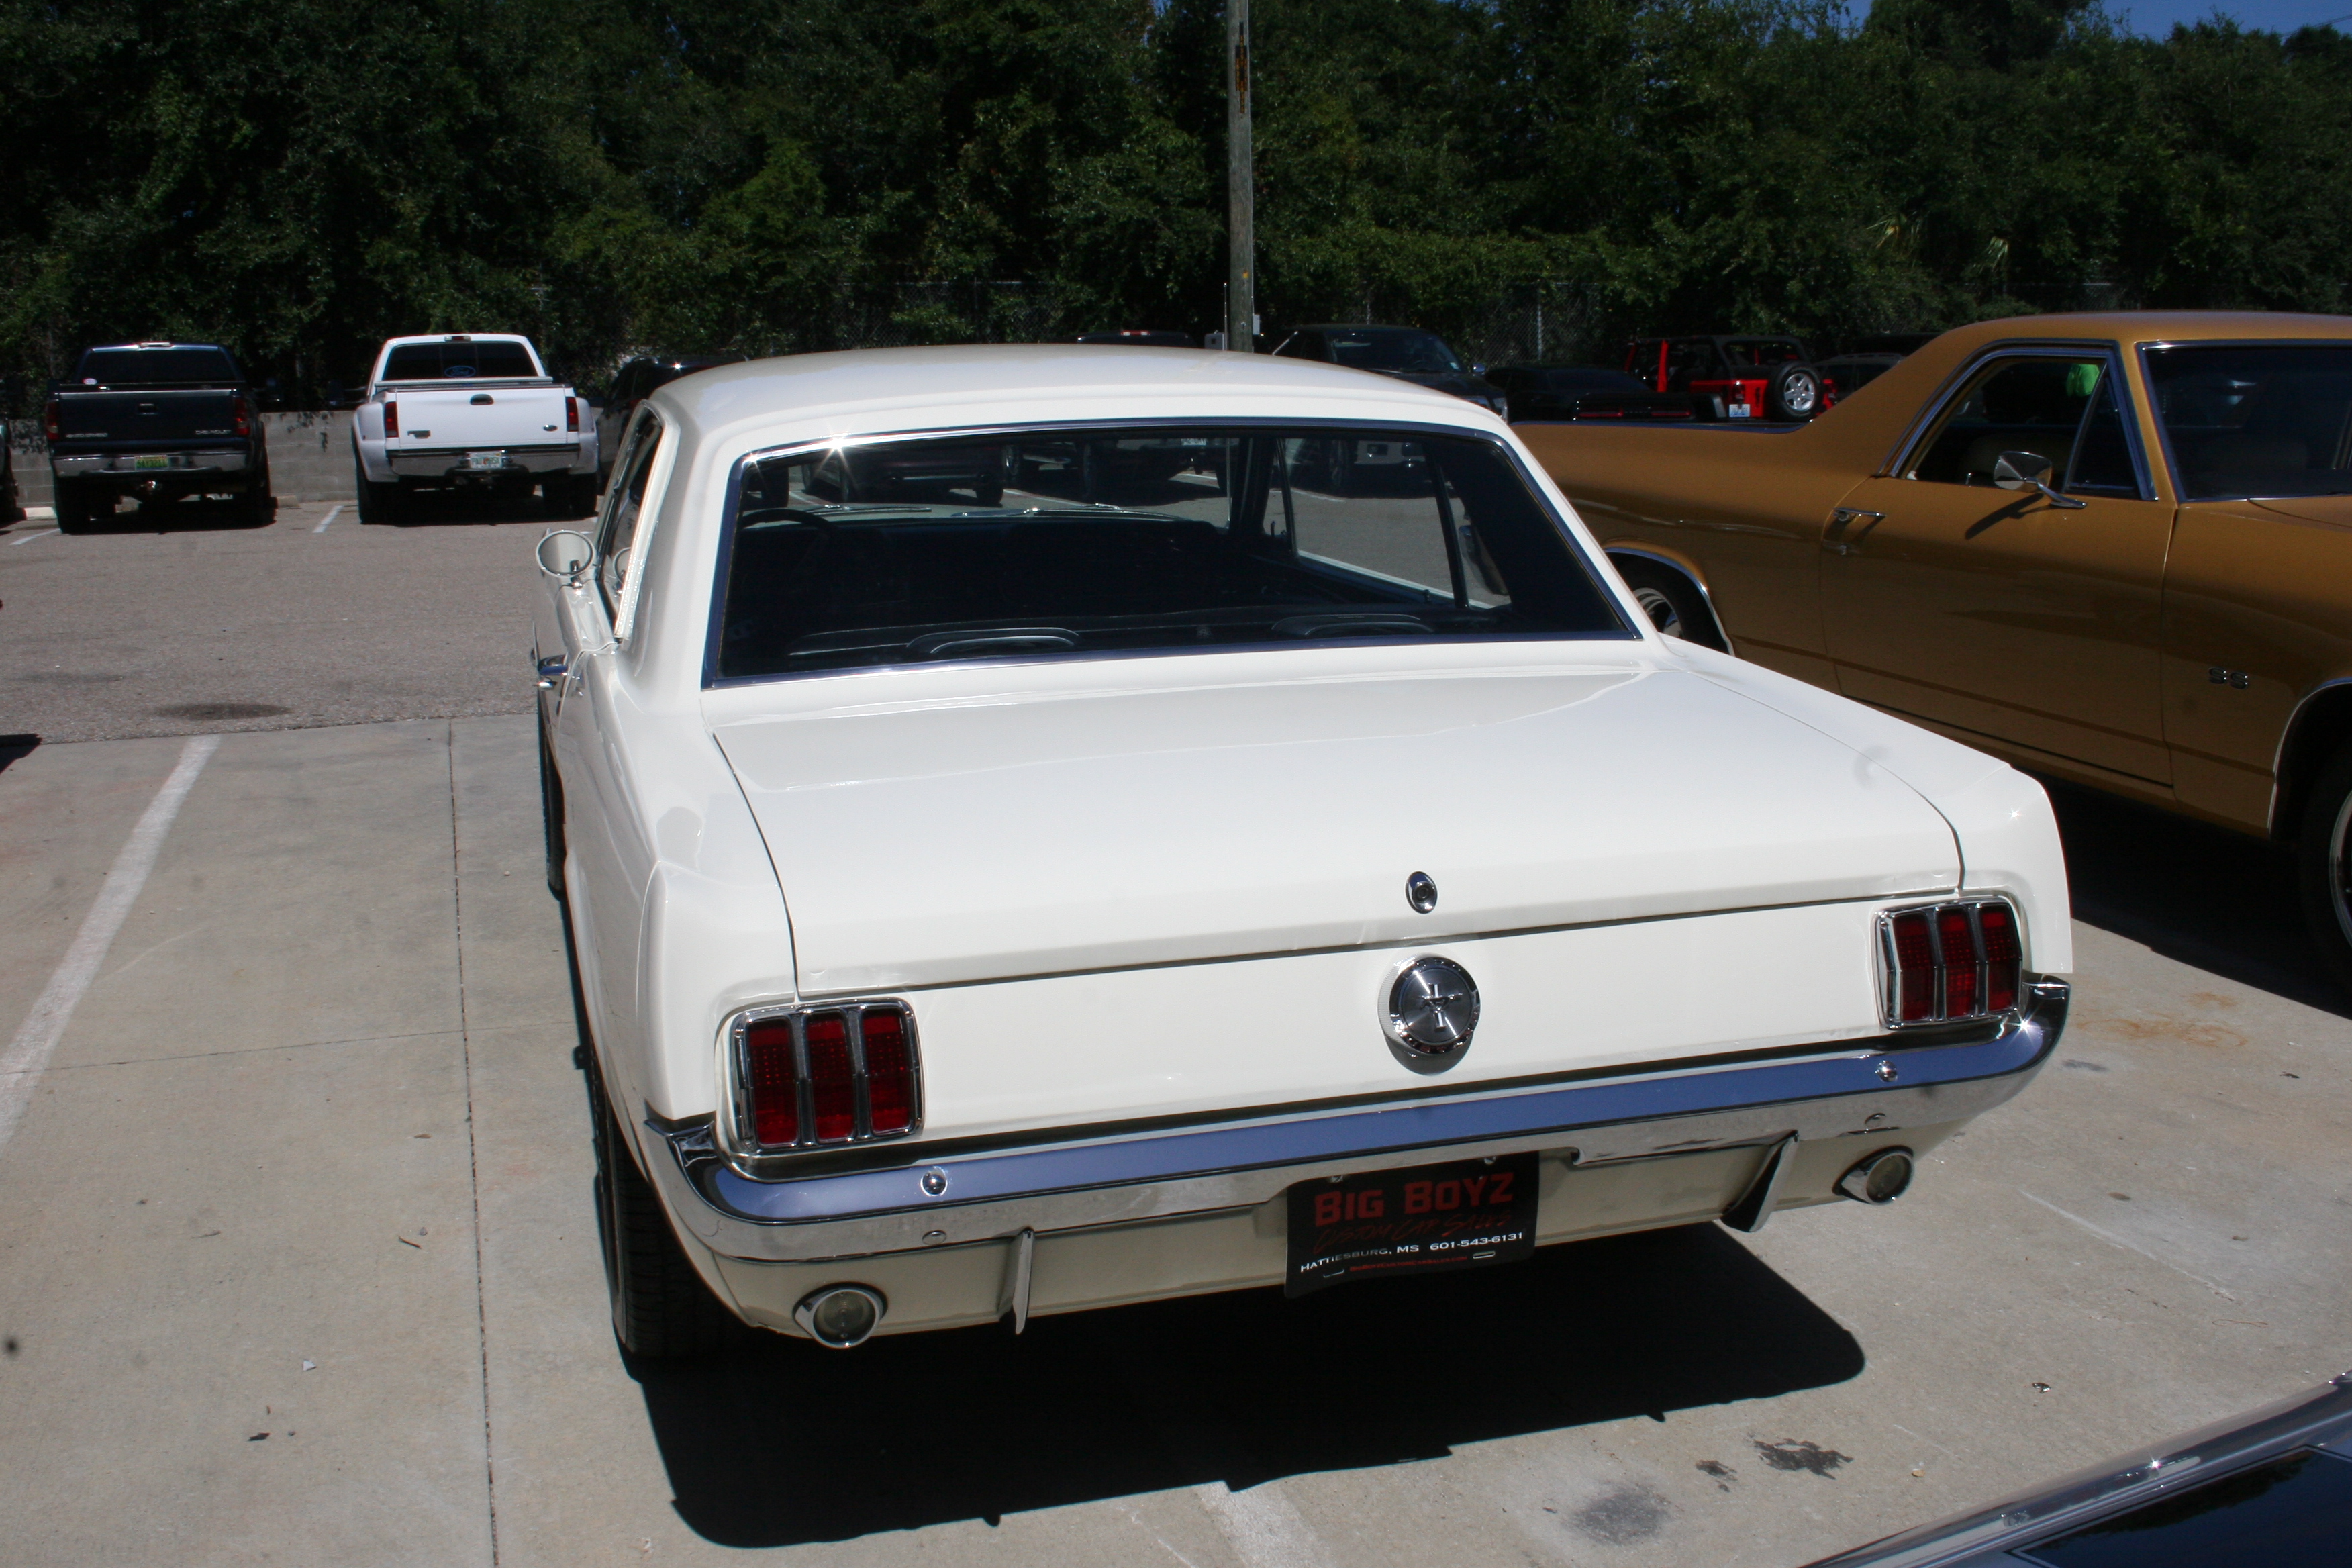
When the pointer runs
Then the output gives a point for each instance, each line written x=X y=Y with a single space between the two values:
x=1749 y=378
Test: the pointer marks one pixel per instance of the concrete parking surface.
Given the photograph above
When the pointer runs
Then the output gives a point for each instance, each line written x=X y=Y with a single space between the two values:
x=298 y=1259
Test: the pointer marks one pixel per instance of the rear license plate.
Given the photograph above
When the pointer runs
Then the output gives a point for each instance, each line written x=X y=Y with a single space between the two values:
x=1420 y=1220
x=486 y=460
x=150 y=462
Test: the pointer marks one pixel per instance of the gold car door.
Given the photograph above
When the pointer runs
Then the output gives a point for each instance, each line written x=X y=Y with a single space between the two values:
x=2025 y=615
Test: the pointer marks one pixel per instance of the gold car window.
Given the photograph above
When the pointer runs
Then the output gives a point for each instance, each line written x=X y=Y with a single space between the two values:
x=2058 y=408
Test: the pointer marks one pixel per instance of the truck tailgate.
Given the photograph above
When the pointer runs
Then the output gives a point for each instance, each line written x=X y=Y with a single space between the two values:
x=479 y=417
x=132 y=421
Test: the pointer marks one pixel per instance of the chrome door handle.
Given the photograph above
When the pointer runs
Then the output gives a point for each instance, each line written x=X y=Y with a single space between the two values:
x=1845 y=517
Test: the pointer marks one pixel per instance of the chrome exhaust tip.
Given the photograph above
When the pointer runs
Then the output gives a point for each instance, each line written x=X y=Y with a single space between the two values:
x=841 y=1316
x=1879 y=1178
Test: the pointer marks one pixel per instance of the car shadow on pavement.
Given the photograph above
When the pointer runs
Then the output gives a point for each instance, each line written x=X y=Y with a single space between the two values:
x=445 y=509
x=190 y=514
x=2220 y=901
x=784 y=1443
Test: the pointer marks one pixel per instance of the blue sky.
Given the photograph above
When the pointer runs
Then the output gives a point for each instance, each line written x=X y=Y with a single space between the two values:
x=2155 y=17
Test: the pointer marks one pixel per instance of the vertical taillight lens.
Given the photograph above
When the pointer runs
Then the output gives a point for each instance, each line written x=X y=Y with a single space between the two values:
x=773 y=1082
x=835 y=1075
x=833 y=1078
x=889 y=1071
x=2004 y=957
x=1951 y=962
x=571 y=414
x=1914 y=968
x=53 y=420
x=242 y=415
x=391 y=419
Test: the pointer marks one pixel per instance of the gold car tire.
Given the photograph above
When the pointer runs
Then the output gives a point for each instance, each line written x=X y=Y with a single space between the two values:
x=1674 y=607
x=2324 y=864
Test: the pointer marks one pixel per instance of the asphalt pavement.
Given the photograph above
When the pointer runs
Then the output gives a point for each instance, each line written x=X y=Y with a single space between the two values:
x=298 y=1259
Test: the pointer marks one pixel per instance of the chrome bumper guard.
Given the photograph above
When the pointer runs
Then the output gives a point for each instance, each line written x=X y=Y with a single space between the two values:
x=1870 y=1087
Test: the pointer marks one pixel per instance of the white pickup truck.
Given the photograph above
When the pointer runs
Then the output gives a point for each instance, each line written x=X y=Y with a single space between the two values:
x=470 y=410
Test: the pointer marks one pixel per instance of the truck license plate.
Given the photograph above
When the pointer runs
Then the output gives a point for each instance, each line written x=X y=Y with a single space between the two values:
x=486 y=460
x=1419 y=1220
x=150 y=462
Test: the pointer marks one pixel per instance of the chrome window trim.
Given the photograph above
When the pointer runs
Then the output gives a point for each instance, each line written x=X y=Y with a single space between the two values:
x=1845 y=1089
x=732 y=501
x=1908 y=450
x=1890 y=990
x=739 y=1144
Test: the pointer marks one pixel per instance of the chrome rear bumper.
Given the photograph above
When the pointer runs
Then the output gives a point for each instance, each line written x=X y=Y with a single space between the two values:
x=1867 y=1088
x=125 y=465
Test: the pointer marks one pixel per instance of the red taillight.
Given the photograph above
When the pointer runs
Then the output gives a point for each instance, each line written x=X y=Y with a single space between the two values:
x=53 y=420
x=1914 y=968
x=1955 y=936
x=773 y=1081
x=391 y=419
x=2004 y=959
x=839 y=1075
x=243 y=415
x=833 y=1078
x=890 y=1073
x=571 y=414
x=1952 y=962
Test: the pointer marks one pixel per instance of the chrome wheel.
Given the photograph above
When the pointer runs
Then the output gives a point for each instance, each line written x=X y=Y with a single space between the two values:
x=2336 y=878
x=1662 y=610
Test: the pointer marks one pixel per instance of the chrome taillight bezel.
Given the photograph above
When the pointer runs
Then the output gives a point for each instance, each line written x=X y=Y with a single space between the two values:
x=734 y=1121
x=1890 y=970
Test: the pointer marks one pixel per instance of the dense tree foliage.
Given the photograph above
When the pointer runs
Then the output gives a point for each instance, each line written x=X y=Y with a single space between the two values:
x=299 y=179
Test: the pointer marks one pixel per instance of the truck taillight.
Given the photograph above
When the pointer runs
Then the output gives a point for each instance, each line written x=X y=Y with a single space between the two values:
x=242 y=415
x=1949 y=962
x=571 y=414
x=391 y=419
x=53 y=420
x=825 y=1077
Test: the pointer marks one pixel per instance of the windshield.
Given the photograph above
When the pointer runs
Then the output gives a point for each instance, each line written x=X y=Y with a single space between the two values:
x=507 y=361
x=2268 y=420
x=1392 y=348
x=157 y=367
x=1110 y=540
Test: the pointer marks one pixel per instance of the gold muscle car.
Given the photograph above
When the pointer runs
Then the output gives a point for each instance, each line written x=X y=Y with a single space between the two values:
x=2117 y=549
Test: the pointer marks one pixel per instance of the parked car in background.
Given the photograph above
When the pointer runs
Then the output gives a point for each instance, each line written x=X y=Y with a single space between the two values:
x=471 y=412
x=943 y=877
x=1143 y=338
x=1407 y=353
x=2116 y=548
x=1745 y=377
x=2270 y=1489
x=1590 y=391
x=631 y=383
x=154 y=422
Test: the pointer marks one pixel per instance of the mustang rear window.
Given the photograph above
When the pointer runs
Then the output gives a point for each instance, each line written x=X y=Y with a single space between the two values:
x=458 y=361
x=2273 y=419
x=1106 y=539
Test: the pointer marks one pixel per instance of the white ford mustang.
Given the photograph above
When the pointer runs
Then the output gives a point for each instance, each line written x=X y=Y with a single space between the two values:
x=1050 y=827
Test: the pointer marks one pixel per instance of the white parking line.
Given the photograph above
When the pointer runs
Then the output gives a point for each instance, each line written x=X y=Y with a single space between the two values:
x=1262 y=1527
x=28 y=538
x=29 y=1052
x=333 y=512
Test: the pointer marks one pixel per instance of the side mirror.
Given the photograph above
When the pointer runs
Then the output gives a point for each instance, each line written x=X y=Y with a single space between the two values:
x=2029 y=471
x=566 y=552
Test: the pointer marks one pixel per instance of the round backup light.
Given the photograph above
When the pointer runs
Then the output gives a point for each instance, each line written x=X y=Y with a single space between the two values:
x=1880 y=1178
x=841 y=1316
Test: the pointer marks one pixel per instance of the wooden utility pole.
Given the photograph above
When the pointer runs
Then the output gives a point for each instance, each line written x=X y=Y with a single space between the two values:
x=1241 y=201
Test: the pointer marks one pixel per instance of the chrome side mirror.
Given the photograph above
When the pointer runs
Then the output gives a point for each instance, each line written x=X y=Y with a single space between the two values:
x=566 y=552
x=2029 y=471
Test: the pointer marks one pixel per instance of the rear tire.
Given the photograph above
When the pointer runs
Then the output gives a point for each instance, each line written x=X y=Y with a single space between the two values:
x=77 y=506
x=260 y=501
x=661 y=1309
x=2323 y=845
x=551 y=811
x=378 y=504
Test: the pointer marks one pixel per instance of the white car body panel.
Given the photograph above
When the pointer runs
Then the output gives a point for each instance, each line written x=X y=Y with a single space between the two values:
x=1118 y=890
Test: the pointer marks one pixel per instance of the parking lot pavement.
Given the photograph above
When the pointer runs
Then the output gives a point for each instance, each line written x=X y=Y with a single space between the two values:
x=187 y=620
x=317 y=1106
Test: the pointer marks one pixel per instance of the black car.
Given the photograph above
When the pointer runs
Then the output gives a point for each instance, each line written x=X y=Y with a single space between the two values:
x=631 y=385
x=2271 y=1490
x=1409 y=353
x=1540 y=392
x=155 y=422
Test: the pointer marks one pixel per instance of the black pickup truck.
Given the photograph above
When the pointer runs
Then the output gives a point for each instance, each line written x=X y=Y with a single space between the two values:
x=156 y=422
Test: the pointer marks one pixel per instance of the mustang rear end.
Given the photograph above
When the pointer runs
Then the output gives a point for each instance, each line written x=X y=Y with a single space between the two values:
x=995 y=902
